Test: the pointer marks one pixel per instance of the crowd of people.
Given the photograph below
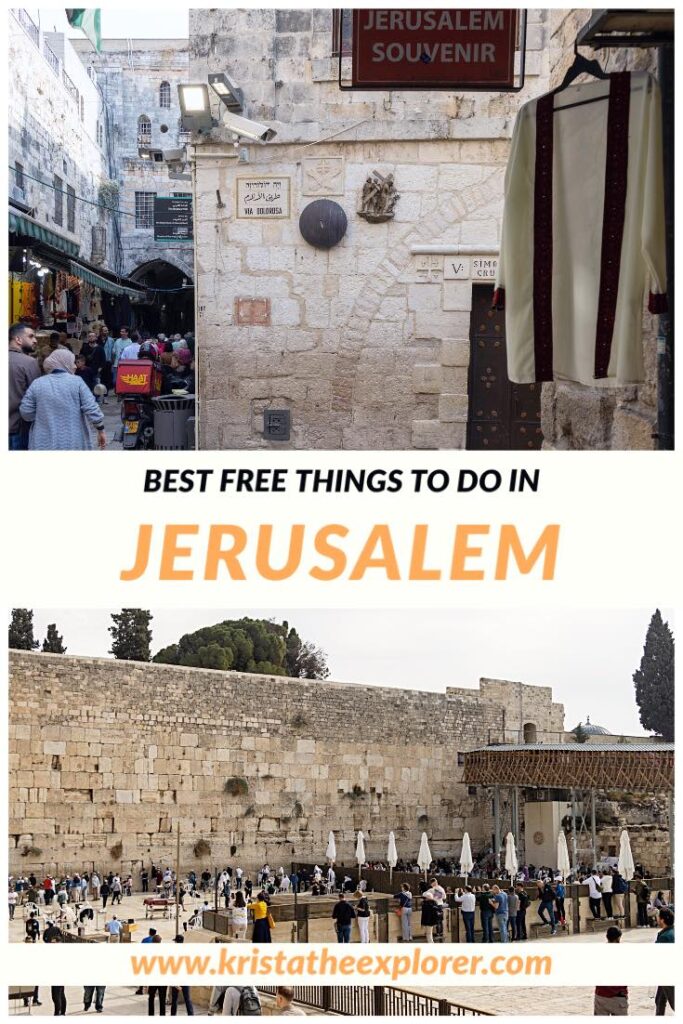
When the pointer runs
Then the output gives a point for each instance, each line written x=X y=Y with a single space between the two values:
x=58 y=384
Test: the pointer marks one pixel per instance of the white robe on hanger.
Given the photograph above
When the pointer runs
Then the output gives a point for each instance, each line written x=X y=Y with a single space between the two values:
x=573 y=285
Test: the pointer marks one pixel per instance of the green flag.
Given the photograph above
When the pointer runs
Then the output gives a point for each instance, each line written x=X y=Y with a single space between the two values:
x=89 y=23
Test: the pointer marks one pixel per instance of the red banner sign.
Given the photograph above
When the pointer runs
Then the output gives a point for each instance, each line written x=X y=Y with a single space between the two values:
x=417 y=48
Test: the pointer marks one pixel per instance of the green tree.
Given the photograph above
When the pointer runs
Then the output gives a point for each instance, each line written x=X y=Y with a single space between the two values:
x=131 y=636
x=53 y=642
x=654 y=680
x=247 y=645
x=21 y=630
x=303 y=660
x=580 y=734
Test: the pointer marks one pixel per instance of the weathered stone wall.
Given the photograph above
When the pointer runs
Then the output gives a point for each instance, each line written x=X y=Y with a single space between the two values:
x=573 y=415
x=52 y=130
x=366 y=347
x=107 y=756
x=130 y=73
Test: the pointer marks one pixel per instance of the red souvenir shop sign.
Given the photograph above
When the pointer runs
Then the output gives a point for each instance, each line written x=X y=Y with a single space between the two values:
x=409 y=49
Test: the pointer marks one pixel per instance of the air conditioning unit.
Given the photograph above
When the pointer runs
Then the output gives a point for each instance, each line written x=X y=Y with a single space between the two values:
x=98 y=253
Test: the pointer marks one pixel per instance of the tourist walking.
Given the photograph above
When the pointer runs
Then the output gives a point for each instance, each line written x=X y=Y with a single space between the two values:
x=595 y=893
x=499 y=902
x=619 y=891
x=58 y=993
x=22 y=370
x=611 y=1000
x=116 y=890
x=60 y=407
x=664 y=996
x=343 y=915
x=239 y=917
x=405 y=911
x=113 y=929
x=642 y=891
x=524 y=903
x=105 y=892
x=606 y=882
x=468 y=903
x=363 y=916
x=513 y=909
x=95 y=885
x=32 y=927
x=98 y=992
x=560 y=894
x=429 y=916
x=155 y=992
x=546 y=905
x=485 y=913
x=12 y=902
x=262 y=919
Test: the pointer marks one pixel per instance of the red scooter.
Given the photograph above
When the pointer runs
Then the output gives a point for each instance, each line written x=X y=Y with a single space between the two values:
x=138 y=381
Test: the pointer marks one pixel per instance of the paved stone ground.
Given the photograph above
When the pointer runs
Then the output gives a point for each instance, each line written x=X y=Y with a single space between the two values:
x=118 y=1002
x=551 y=1002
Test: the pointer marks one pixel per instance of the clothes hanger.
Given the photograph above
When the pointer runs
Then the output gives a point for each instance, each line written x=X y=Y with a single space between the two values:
x=581 y=66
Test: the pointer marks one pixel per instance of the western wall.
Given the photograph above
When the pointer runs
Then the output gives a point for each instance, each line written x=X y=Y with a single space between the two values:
x=107 y=756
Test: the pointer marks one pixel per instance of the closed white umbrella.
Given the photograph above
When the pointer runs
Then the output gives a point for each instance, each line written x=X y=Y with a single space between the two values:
x=392 y=854
x=563 y=863
x=466 y=861
x=424 y=857
x=511 y=863
x=627 y=868
x=360 y=853
x=331 y=851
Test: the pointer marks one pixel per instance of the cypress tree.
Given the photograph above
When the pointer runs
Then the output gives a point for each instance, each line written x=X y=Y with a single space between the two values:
x=21 y=630
x=654 y=680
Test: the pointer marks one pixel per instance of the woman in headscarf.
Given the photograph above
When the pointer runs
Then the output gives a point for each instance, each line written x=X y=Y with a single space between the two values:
x=60 y=408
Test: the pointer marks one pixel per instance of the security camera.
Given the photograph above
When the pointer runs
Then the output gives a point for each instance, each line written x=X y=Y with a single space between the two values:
x=246 y=129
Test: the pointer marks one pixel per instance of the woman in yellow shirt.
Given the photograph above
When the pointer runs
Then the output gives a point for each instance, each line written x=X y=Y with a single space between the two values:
x=261 y=915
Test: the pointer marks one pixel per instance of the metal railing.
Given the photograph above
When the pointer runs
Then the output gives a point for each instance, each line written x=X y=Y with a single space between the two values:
x=70 y=87
x=28 y=24
x=51 y=57
x=377 y=1001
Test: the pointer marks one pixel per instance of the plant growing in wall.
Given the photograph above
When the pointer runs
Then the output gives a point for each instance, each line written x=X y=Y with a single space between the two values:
x=356 y=793
x=236 y=786
x=108 y=194
x=202 y=848
x=116 y=851
x=31 y=851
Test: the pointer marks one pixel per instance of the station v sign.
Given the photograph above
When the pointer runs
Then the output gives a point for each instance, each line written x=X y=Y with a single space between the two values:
x=418 y=48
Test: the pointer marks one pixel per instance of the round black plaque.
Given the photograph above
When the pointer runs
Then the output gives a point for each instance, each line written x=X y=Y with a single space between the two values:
x=323 y=223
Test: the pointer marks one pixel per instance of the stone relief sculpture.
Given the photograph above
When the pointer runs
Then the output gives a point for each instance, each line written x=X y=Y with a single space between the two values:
x=378 y=198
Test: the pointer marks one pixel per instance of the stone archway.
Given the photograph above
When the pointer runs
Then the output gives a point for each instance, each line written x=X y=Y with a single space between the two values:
x=170 y=296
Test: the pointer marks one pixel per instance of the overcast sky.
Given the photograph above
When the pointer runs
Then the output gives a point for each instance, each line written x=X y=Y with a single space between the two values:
x=126 y=23
x=588 y=657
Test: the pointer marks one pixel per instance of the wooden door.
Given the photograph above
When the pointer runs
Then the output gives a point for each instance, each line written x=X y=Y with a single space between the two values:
x=501 y=416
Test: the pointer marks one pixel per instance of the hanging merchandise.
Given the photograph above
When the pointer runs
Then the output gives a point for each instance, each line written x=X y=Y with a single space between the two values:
x=583 y=230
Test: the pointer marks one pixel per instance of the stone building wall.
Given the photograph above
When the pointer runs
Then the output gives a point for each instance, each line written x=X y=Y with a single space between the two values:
x=107 y=756
x=366 y=345
x=130 y=73
x=54 y=108
x=573 y=415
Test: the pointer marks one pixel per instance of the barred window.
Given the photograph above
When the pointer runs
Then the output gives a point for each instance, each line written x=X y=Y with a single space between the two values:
x=100 y=134
x=19 y=179
x=144 y=209
x=165 y=94
x=58 y=215
x=342 y=28
x=144 y=127
x=70 y=208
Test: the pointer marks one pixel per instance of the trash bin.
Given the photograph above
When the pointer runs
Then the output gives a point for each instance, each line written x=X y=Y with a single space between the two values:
x=171 y=414
x=190 y=439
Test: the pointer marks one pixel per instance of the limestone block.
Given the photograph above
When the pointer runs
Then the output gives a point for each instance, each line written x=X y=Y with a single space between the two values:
x=54 y=747
x=453 y=408
x=441 y=324
x=427 y=378
x=426 y=434
x=455 y=353
x=632 y=429
x=457 y=296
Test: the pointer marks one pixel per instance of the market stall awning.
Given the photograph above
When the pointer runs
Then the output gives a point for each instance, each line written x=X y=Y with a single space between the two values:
x=105 y=284
x=28 y=227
